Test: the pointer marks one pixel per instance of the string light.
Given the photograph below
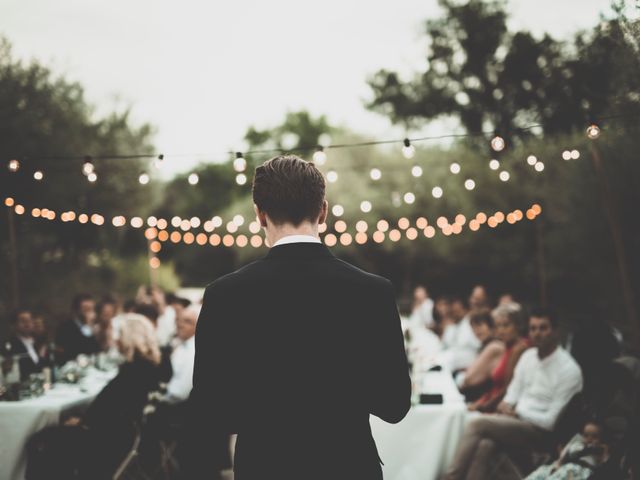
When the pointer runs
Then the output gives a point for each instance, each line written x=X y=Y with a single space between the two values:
x=238 y=220
x=38 y=175
x=241 y=179
x=566 y=155
x=494 y=164
x=539 y=167
x=593 y=131
x=409 y=198
x=193 y=179
x=575 y=154
x=532 y=160
x=416 y=171
x=498 y=143
x=144 y=178
x=87 y=167
x=14 y=166
x=408 y=150
x=92 y=177
x=365 y=206
x=158 y=163
x=504 y=175
x=332 y=176
x=239 y=164
x=337 y=210
x=469 y=184
x=437 y=192
x=455 y=168
x=375 y=174
x=319 y=156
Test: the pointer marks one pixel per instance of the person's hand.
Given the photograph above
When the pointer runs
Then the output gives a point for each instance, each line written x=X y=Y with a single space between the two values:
x=72 y=421
x=505 y=409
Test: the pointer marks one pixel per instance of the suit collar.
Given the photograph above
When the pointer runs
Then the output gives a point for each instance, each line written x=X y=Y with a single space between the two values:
x=299 y=250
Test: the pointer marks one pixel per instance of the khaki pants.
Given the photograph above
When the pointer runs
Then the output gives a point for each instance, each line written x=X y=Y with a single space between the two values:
x=486 y=440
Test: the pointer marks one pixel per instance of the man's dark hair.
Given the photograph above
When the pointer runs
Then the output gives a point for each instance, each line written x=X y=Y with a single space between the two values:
x=15 y=313
x=148 y=310
x=544 y=312
x=78 y=299
x=289 y=190
x=481 y=316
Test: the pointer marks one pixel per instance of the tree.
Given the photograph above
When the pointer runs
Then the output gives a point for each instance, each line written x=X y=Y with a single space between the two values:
x=493 y=79
x=44 y=117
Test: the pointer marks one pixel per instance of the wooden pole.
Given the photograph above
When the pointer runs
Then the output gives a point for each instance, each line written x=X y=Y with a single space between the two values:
x=13 y=259
x=618 y=243
x=542 y=273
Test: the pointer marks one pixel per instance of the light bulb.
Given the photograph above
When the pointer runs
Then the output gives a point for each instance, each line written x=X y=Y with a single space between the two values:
x=241 y=179
x=416 y=171
x=143 y=178
x=38 y=175
x=498 y=143
x=469 y=184
x=593 y=131
x=455 y=168
x=239 y=164
x=193 y=179
x=408 y=150
x=319 y=157
x=14 y=165
x=437 y=192
x=375 y=174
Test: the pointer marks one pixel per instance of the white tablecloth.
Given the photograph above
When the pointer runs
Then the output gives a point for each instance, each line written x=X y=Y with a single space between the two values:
x=20 y=420
x=422 y=445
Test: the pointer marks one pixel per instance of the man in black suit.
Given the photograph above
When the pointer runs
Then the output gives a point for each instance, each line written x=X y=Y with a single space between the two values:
x=76 y=335
x=22 y=344
x=295 y=350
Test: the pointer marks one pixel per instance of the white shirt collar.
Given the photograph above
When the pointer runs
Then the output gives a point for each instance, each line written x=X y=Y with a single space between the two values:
x=297 y=239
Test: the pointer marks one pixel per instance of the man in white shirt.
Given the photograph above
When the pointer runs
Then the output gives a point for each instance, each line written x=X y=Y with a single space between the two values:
x=179 y=387
x=166 y=324
x=461 y=346
x=422 y=312
x=545 y=379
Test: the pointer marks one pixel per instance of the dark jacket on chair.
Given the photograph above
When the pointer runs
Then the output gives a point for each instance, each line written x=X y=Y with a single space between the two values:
x=293 y=353
x=71 y=342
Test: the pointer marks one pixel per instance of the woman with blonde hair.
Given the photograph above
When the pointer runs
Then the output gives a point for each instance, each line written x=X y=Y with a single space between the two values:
x=95 y=444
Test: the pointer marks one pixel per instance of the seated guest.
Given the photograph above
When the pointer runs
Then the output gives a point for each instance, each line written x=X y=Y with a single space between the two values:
x=442 y=314
x=544 y=381
x=476 y=379
x=422 y=308
x=506 y=298
x=41 y=334
x=479 y=299
x=95 y=444
x=76 y=335
x=182 y=356
x=23 y=345
x=177 y=303
x=166 y=323
x=509 y=325
x=458 y=340
x=105 y=313
x=584 y=455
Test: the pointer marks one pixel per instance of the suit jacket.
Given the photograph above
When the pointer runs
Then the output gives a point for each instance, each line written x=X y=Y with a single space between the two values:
x=71 y=342
x=27 y=365
x=293 y=353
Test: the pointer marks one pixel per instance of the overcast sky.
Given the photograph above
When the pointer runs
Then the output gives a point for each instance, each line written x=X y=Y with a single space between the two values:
x=203 y=71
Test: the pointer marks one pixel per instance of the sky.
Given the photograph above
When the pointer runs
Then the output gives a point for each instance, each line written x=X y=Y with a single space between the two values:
x=202 y=72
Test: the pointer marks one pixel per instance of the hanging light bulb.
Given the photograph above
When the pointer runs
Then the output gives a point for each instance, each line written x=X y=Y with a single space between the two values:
x=469 y=184
x=436 y=192
x=239 y=164
x=241 y=179
x=332 y=176
x=409 y=198
x=375 y=174
x=532 y=160
x=87 y=166
x=365 y=206
x=455 y=168
x=14 y=165
x=593 y=131
x=498 y=143
x=38 y=175
x=494 y=164
x=92 y=177
x=337 y=210
x=193 y=179
x=157 y=162
x=408 y=150
x=319 y=157
x=416 y=171
x=144 y=178
x=504 y=175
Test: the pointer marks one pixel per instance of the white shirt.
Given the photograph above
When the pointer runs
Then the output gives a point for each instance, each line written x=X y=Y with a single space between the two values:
x=166 y=326
x=540 y=389
x=422 y=315
x=179 y=387
x=28 y=344
x=297 y=239
x=460 y=344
